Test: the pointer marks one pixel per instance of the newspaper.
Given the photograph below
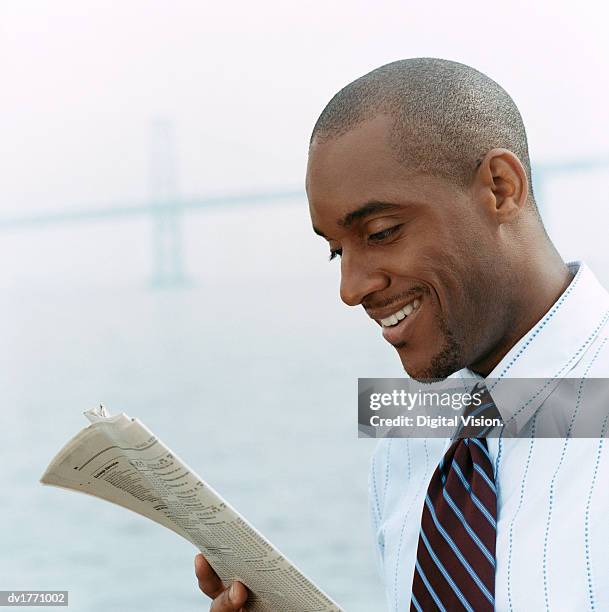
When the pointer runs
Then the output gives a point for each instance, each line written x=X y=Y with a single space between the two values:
x=119 y=459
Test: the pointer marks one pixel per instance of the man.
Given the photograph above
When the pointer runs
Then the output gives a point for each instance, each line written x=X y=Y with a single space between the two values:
x=419 y=178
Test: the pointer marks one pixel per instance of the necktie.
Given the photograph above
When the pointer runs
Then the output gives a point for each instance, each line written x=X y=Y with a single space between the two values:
x=455 y=566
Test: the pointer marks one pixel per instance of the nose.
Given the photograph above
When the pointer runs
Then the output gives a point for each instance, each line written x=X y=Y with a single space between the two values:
x=359 y=278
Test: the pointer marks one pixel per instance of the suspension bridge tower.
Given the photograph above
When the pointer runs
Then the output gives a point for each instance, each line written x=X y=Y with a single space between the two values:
x=168 y=262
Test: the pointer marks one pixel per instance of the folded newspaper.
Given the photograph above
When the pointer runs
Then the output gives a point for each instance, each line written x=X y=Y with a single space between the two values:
x=118 y=459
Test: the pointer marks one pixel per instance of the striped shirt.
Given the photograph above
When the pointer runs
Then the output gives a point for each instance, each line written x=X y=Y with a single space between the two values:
x=552 y=494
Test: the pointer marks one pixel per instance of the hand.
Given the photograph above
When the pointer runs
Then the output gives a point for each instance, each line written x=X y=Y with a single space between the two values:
x=225 y=599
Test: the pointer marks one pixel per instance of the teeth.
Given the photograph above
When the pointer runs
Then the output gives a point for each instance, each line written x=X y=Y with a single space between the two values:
x=400 y=314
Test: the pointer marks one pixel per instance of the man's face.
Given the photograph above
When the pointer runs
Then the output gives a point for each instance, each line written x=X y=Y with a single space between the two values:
x=414 y=249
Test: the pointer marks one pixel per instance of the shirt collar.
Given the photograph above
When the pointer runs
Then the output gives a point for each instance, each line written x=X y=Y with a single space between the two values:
x=549 y=351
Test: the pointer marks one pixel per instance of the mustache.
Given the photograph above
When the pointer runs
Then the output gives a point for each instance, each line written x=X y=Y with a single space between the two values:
x=412 y=292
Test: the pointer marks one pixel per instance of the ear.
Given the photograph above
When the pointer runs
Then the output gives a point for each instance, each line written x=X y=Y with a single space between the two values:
x=503 y=185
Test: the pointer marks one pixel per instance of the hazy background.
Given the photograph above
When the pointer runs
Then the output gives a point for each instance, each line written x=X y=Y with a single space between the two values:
x=249 y=368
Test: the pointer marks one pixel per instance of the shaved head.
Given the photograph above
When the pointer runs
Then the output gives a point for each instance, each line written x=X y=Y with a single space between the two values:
x=419 y=180
x=445 y=116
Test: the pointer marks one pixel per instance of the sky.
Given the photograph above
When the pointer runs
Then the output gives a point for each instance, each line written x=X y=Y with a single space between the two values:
x=241 y=85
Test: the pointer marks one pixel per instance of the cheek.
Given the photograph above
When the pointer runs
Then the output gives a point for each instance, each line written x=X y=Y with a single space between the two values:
x=447 y=260
x=458 y=296
x=445 y=271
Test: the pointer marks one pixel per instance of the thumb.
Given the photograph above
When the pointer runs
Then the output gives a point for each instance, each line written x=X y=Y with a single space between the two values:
x=237 y=594
x=231 y=600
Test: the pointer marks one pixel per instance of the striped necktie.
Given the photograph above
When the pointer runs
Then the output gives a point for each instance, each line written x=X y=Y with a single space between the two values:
x=455 y=566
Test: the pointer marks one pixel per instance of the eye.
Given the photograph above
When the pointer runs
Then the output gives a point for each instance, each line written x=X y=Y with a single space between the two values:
x=382 y=235
x=335 y=253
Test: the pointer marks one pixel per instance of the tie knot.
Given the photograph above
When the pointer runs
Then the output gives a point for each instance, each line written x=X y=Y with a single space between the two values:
x=480 y=416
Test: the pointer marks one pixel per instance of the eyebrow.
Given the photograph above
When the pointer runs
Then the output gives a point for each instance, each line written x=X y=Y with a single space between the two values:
x=365 y=210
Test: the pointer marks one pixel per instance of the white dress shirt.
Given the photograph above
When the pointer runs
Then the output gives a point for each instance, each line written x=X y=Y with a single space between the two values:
x=553 y=494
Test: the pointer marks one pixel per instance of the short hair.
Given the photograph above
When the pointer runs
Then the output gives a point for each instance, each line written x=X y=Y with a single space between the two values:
x=446 y=116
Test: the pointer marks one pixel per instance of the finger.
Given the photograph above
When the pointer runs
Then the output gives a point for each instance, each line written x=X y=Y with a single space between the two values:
x=209 y=582
x=232 y=600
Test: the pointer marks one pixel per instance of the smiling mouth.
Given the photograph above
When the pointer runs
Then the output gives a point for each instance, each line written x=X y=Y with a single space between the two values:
x=398 y=326
x=401 y=314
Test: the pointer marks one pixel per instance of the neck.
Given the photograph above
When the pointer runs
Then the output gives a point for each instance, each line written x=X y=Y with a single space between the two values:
x=548 y=278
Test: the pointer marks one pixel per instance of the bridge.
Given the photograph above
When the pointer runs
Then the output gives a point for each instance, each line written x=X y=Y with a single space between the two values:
x=165 y=208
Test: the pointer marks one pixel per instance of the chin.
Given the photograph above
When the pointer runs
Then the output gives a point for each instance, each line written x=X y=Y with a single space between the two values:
x=420 y=372
x=435 y=367
x=425 y=376
x=426 y=380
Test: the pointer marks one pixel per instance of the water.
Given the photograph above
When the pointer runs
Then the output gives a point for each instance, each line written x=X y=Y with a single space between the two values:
x=249 y=374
